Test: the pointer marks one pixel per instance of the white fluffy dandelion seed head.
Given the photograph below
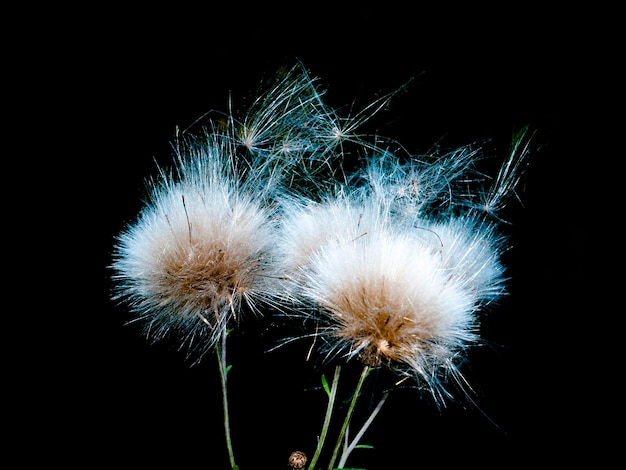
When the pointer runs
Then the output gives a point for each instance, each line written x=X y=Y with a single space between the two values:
x=391 y=301
x=390 y=287
x=198 y=252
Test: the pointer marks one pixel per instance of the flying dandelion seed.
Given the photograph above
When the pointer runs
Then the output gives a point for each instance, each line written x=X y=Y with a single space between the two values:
x=290 y=129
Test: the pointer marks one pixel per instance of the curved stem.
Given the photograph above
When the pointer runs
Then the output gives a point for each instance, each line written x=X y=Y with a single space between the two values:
x=221 y=357
x=357 y=438
x=346 y=421
x=329 y=412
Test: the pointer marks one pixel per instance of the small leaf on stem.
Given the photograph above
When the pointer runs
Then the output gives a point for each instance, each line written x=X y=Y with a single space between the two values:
x=325 y=385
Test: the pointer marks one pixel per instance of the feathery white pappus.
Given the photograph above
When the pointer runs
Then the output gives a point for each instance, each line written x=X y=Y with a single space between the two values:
x=202 y=244
x=393 y=260
x=200 y=249
x=290 y=129
x=400 y=293
x=395 y=264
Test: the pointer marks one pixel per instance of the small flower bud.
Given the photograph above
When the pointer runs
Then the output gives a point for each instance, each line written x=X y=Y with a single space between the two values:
x=297 y=459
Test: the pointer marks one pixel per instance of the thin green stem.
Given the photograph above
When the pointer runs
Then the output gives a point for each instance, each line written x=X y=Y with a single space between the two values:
x=221 y=357
x=329 y=413
x=346 y=421
x=348 y=450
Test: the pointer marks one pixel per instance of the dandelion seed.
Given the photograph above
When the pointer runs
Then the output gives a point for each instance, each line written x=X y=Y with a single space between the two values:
x=283 y=128
x=495 y=198
x=419 y=187
x=289 y=129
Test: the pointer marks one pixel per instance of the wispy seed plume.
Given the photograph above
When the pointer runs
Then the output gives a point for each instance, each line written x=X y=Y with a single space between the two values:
x=200 y=250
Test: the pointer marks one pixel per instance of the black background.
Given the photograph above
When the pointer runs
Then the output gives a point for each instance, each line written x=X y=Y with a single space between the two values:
x=119 y=84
